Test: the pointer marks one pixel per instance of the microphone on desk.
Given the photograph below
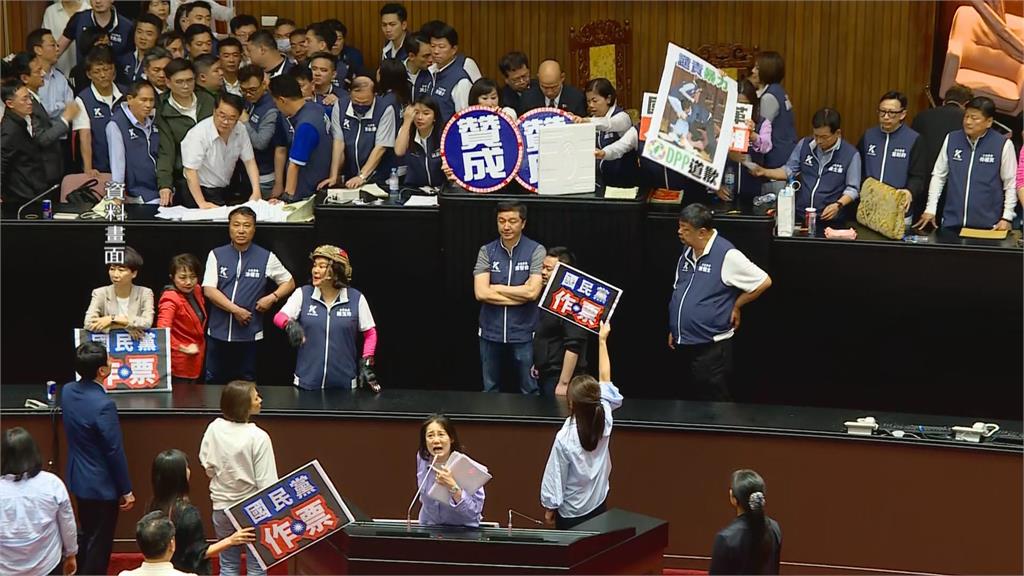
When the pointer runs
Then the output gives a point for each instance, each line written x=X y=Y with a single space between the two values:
x=408 y=513
x=521 y=515
x=36 y=199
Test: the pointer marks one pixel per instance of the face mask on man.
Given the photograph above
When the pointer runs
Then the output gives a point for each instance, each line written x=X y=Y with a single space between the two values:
x=284 y=44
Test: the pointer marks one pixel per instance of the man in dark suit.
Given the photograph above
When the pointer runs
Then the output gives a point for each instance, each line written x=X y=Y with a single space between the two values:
x=553 y=92
x=933 y=125
x=97 y=472
x=515 y=67
x=21 y=165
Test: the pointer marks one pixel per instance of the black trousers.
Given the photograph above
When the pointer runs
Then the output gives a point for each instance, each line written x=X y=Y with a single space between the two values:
x=570 y=523
x=708 y=368
x=96 y=535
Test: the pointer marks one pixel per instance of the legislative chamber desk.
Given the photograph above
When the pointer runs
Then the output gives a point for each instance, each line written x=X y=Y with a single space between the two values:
x=875 y=324
x=846 y=504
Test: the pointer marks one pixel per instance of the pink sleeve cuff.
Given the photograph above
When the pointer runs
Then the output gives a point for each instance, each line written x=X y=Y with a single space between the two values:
x=281 y=320
x=369 y=342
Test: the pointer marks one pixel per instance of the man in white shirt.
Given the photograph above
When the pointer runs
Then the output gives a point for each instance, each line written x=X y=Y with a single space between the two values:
x=210 y=151
x=56 y=18
x=154 y=534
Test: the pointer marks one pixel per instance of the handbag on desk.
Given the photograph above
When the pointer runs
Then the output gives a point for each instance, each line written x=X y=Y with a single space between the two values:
x=883 y=209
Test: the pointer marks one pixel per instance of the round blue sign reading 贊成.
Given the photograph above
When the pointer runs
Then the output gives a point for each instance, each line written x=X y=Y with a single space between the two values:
x=483 y=148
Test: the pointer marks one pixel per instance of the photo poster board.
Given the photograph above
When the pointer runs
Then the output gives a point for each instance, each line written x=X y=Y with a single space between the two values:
x=584 y=300
x=142 y=365
x=292 y=514
x=696 y=106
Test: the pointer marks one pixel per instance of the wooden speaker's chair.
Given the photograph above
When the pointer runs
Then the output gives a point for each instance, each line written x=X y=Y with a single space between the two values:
x=736 y=60
x=602 y=49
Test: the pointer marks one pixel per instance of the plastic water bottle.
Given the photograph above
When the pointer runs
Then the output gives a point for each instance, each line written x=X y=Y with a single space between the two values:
x=393 y=186
x=784 y=212
x=729 y=182
x=764 y=199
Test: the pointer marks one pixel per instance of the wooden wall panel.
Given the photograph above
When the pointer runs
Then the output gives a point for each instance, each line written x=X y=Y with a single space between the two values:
x=838 y=54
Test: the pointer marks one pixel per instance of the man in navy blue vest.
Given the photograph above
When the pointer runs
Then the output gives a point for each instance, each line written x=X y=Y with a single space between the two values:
x=134 y=141
x=310 y=158
x=368 y=126
x=235 y=282
x=394 y=25
x=891 y=151
x=129 y=66
x=263 y=121
x=828 y=168
x=976 y=168
x=105 y=17
x=97 y=470
x=95 y=108
x=934 y=124
x=451 y=80
x=418 y=65
x=713 y=282
x=507 y=281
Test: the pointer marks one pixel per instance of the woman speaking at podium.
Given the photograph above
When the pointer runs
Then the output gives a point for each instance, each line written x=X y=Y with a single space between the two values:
x=438 y=439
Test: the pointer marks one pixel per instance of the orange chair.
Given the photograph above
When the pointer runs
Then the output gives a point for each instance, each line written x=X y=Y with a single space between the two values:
x=73 y=181
x=977 y=59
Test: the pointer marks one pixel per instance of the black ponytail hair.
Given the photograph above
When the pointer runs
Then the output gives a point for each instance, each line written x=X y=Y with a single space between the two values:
x=584 y=397
x=748 y=490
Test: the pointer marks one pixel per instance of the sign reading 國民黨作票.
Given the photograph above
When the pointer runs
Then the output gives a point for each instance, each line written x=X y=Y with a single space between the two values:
x=578 y=297
x=137 y=364
x=296 y=512
x=483 y=148
x=692 y=125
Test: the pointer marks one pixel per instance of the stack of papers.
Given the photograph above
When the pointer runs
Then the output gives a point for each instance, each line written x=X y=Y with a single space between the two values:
x=468 y=474
x=265 y=212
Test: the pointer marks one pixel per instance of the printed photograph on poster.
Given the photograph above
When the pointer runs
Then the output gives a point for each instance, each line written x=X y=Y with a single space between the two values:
x=299 y=510
x=692 y=126
x=140 y=364
x=580 y=298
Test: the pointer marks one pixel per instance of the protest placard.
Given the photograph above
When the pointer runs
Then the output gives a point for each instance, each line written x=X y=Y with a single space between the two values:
x=692 y=126
x=136 y=365
x=483 y=148
x=580 y=298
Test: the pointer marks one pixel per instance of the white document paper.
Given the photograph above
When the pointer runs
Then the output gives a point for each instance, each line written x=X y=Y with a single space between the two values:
x=468 y=474
x=421 y=201
x=565 y=163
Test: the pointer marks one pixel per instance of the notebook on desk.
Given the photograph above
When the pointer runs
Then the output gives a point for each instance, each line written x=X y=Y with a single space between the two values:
x=983 y=234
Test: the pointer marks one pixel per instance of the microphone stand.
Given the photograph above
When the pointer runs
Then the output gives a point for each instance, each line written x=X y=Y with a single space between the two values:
x=521 y=515
x=408 y=513
x=33 y=201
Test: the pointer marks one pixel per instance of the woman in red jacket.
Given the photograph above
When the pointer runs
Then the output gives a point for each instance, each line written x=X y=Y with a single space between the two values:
x=183 y=310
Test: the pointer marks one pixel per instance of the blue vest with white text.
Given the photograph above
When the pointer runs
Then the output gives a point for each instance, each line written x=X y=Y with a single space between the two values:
x=319 y=165
x=701 y=304
x=242 y=277
x=328 y=357
x=99 y=115
x=886 y=156
x=360 y=138
x=783 y=129
x=623 y=171
x=423 y=85
x=509 y=324
x=444 y=81
x=264 y=157
x=974 y=189
x=140 y=151
x=423 y=167
x=822 y=181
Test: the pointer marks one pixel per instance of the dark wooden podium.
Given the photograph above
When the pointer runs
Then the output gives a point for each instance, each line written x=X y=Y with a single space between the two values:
x=616 y=542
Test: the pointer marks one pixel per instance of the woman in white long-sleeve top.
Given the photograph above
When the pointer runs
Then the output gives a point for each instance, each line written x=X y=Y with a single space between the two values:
x=575 y=483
